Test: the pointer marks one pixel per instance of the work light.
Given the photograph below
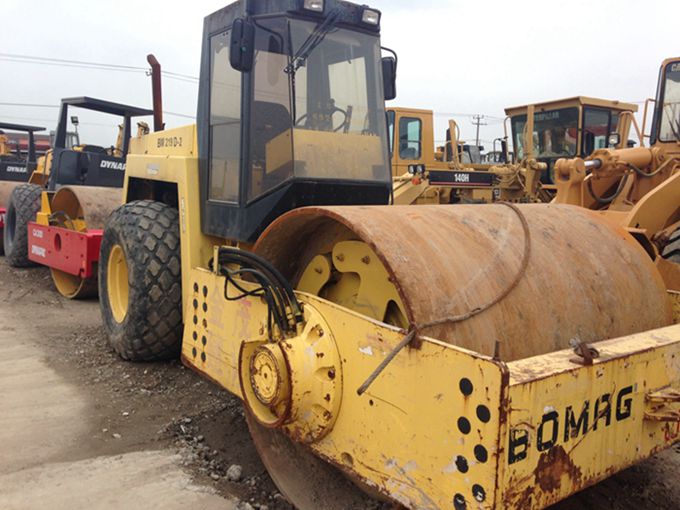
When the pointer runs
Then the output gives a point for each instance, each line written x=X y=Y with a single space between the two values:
x=313 y=5
x=370 y=17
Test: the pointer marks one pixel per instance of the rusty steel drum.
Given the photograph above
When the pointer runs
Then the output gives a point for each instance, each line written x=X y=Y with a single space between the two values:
x=81 y=208
x=6 y=188
x=585 y=279
x=91 y=204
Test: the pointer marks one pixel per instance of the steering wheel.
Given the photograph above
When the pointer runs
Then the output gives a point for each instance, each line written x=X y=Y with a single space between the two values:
x=329 y=113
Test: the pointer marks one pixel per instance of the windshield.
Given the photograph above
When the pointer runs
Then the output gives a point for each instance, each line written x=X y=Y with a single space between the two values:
x=598 y=124
x=325 y=119
x=669 y=130
x=555 y=133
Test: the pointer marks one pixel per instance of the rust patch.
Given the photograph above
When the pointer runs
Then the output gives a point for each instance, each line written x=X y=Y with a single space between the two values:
x=522 y=500
x=552 y=465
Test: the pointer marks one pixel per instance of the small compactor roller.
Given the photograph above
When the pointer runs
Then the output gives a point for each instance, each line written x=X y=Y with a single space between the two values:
x=59 y=223
x=437 y=357
x=14 y=168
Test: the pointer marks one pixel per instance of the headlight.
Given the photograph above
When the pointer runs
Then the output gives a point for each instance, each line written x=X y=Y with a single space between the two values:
x=416 y=169
x=614 y=139
x=313 y=5
x=370 y=17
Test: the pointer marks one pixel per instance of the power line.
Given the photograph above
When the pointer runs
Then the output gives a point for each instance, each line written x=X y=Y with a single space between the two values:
x=59 y=64
x=184 y=115
x=65 y=61
x=30 y=105
x=102 y=66
x=179 y=75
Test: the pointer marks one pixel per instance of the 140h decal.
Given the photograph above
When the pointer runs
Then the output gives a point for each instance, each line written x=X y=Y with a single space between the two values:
x=555 y=427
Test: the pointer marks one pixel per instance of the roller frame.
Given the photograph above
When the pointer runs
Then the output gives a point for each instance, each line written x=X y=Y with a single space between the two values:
x=403 y=438
x=75 y=253
x=73 y=249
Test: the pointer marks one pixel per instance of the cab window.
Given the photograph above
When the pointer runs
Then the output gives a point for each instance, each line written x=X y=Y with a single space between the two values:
x=225 y=122
x=596 y=129
x=669 y=130
x=410 y=136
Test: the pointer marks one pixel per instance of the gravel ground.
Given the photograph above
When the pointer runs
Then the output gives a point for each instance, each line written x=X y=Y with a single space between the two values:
x=155 y=406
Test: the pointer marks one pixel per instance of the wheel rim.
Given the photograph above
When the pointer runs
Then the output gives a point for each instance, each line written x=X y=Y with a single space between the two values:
x=117 y=283
x=72 y=286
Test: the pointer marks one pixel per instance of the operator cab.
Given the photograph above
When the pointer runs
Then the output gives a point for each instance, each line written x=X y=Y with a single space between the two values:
x=91 y=165
x=291 y=112
x=568 y=128
x=666 y=123
x=13 y=166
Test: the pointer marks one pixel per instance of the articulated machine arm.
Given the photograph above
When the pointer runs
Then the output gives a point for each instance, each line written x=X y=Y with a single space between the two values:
x=613 y=179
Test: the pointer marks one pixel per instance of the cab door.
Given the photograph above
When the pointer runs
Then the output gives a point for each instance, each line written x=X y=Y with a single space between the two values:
x=406 y=131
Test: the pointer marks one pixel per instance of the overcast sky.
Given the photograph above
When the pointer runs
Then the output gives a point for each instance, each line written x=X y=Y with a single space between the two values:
x=457 y=58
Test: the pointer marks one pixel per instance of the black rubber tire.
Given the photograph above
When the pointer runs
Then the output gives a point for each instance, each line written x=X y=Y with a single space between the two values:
x=672 y=250
x=148 y=233
x=24 y=204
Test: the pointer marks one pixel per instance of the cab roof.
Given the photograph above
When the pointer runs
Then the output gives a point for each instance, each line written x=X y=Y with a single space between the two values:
x=573 y=101
x=100 y=105
x=20 y=127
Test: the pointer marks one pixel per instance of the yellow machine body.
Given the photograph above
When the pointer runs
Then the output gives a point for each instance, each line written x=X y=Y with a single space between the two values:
x=624 y=112
x=452 y=418
x=635 y=188
x=498 y=356
x=513 y=182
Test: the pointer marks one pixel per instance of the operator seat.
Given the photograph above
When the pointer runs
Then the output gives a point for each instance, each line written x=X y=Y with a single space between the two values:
x=268 y=121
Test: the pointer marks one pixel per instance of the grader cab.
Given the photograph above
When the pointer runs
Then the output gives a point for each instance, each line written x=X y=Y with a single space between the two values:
x=421 y=175
x=571 y=127
x=566 y=127
x=433 y=357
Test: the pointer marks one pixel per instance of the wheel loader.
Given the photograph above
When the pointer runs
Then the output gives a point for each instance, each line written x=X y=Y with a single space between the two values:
x=56 y=219
x=14 y=169
x=572 y=127
x=637 y=188
x=499 y=356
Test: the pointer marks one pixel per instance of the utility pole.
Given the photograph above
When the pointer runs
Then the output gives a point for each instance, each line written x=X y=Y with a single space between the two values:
x=478 y=122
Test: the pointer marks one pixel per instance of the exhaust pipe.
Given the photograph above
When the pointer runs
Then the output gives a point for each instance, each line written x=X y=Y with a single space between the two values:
x=158 y=124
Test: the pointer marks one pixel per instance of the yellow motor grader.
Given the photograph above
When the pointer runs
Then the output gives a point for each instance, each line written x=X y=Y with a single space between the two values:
x=498 y=356
x=566 y=127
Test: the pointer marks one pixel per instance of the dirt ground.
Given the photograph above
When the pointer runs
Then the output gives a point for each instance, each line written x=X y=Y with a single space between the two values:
x=139 y=409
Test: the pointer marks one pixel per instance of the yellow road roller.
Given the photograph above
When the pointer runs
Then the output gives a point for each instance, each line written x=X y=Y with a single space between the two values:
x=493 y=356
